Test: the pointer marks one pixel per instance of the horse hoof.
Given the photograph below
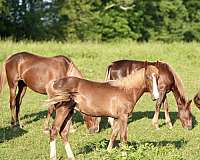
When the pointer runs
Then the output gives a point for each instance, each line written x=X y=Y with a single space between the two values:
x=169 y=125
x=46 y=131
x=155 y=125
x=124 y=154
x=157 y=129
x=15 y=126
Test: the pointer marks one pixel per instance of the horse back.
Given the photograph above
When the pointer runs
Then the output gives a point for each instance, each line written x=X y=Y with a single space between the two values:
x=122 y=68
x=36 y=71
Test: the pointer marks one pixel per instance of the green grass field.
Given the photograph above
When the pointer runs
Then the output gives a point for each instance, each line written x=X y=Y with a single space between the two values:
x=30 y=143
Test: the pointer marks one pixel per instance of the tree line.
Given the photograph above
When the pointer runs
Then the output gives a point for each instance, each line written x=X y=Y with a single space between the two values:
x=100 y=20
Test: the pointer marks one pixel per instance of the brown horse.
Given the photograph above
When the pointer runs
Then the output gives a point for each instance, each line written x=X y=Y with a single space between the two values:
x=197 y=99
x=24 y=70
x=168 y=81
x=113 y=98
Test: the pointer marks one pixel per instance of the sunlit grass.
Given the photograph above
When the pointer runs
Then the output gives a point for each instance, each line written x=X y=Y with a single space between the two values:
x=92 y=59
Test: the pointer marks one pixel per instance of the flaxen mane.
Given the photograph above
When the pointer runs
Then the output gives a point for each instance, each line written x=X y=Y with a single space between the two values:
x=128 y=81
x=178 y=82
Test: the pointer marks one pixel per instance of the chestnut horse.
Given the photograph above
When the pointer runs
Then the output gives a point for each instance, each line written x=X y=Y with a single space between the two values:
x=113 y=99
x=24 y=70
x=168 y=81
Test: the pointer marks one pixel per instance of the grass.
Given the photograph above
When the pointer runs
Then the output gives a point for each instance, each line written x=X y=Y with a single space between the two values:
x=29 y=142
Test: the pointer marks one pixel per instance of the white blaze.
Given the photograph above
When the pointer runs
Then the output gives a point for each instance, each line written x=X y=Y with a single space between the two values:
x=53 y=150
x=155 y=87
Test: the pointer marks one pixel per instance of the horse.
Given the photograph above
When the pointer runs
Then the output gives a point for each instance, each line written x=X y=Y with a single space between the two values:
x=197 y=99
x=25 y=69
x=168 y=81
x=115 y=99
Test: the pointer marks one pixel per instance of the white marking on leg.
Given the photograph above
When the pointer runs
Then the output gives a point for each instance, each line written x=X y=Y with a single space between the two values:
x=155 y=87
x=53 y=150
x=69 y=152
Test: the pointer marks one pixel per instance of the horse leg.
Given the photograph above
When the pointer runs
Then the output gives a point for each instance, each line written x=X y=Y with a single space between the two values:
x=124 y=132
x=111 y=121
x=61 y=114
x=13 y=88
x=157 y=110
x=166 y=109
x=21 y=92
x=46 y=122
x=64 y=135
x=123 y=128
x=92 y=123
x=115 y=130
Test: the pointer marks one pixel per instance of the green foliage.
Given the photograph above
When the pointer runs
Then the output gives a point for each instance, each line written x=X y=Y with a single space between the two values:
x=100 y=20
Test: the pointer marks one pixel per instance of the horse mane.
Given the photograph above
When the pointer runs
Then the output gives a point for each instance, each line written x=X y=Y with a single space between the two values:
x=178 y=82
x=128 y=81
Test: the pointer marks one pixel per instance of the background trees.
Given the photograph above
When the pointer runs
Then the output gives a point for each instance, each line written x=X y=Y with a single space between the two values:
x=101 y=20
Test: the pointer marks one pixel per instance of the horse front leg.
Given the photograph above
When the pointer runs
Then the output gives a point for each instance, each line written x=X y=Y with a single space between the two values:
x=46 y=122
x=157 y=110
x=64 y=135
x=61 y=114
x=115 y=131
x=167 y=117
x=124 y=132
x=123 y=128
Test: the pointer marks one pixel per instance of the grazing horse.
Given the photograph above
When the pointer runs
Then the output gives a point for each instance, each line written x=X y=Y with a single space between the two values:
x=24 y=70
x=113 y=99
x=168 y=81
x=197 y=99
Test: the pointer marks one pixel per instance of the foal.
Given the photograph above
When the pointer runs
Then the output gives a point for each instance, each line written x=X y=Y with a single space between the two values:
x=113 y=99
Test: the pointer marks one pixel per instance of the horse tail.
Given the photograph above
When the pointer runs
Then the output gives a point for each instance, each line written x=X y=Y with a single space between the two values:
x=107 y=77
x=2 y=77
x=60 y=97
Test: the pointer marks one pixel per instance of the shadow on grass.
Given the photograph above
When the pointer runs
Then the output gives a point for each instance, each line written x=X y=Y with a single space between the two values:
x=9 y=133
x=78 y=118
x=33 y=117
x=147 y=114
x=104 y=143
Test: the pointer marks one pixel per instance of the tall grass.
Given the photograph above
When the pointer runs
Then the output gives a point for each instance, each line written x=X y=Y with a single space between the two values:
x=92 y=58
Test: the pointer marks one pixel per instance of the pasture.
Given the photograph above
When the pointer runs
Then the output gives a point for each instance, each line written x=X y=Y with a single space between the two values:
x=29 y=142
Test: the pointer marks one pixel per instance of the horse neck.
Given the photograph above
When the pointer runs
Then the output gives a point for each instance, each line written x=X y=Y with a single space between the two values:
x=136 y=85
x=179 y=97
x=74 y=71
x=178 y=89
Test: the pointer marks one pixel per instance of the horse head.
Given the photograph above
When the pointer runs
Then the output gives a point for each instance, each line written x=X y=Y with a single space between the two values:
x=151 y=80
x=184 y=113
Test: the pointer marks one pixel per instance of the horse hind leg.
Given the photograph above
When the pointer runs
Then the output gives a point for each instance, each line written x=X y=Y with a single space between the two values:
x=13 y=88
x=21 y=92
x=61 y=114
x=64 y=135
x=46 y=122
x=167 y=117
